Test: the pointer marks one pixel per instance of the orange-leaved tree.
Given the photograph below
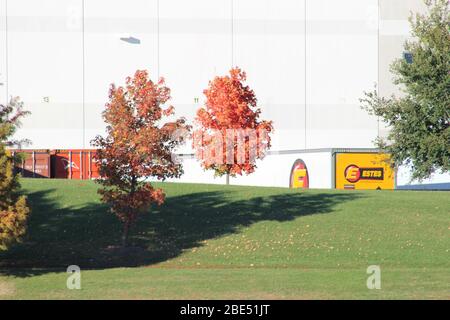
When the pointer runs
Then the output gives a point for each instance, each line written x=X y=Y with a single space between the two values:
x=229 y=136
x=138 y=146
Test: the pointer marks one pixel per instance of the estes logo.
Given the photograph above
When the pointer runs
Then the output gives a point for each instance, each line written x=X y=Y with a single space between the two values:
x=353 y=173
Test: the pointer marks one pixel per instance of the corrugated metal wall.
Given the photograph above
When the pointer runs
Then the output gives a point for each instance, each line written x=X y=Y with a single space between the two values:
x=308 y=61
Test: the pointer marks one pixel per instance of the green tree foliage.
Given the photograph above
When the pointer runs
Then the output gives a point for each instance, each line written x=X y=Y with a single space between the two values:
x=419 y=120
x=14 y=210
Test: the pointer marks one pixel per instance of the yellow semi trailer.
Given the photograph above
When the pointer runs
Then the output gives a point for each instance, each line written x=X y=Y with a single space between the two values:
x=355 y=169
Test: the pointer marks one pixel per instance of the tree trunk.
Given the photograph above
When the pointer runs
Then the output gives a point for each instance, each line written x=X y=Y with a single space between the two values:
x=228 y=179
x=126 y=231
x=127 y=223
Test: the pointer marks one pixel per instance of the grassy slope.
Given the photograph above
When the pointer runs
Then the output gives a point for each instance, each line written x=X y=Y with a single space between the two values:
x=234 y=242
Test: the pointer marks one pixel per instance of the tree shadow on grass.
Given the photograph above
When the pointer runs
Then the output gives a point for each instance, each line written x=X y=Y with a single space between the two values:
x=89 y=236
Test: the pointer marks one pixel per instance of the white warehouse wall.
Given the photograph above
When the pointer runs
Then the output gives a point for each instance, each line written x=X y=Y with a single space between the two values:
x=394 y=30
x=342 y=62
x=109 y=59
x=3 y=55
x=269 y=44
x=194 y=46
x=45 y=63
x=193 y=173
x=308 y=62
x=275 y=170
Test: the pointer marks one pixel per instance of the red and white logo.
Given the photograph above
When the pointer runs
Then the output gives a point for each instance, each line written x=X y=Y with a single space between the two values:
x=353 y=173
x=67 y=164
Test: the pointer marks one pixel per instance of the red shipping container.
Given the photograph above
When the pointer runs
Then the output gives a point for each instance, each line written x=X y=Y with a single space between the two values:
x=35 y=165
x=74 y=164
x=62 y=164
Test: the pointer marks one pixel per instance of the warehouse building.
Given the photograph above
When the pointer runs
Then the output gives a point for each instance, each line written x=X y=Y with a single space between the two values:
x=309 y=62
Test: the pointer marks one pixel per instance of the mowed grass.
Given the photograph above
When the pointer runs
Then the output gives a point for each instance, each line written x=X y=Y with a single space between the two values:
x=230 y=242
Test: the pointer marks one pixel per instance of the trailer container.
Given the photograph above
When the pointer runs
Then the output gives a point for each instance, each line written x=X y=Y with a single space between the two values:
x=74 y=164
x=35 y=164
x=60 y=164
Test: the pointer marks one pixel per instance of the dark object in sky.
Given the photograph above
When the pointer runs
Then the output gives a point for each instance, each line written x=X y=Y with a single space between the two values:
x=131 y=40
x=408 y=57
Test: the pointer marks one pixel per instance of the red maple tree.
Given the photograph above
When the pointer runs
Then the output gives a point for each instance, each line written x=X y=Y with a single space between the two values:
x=229 y=137
x=139 y=145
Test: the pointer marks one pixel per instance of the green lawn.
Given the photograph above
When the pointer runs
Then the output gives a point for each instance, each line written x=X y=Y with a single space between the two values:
x=229 y=242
